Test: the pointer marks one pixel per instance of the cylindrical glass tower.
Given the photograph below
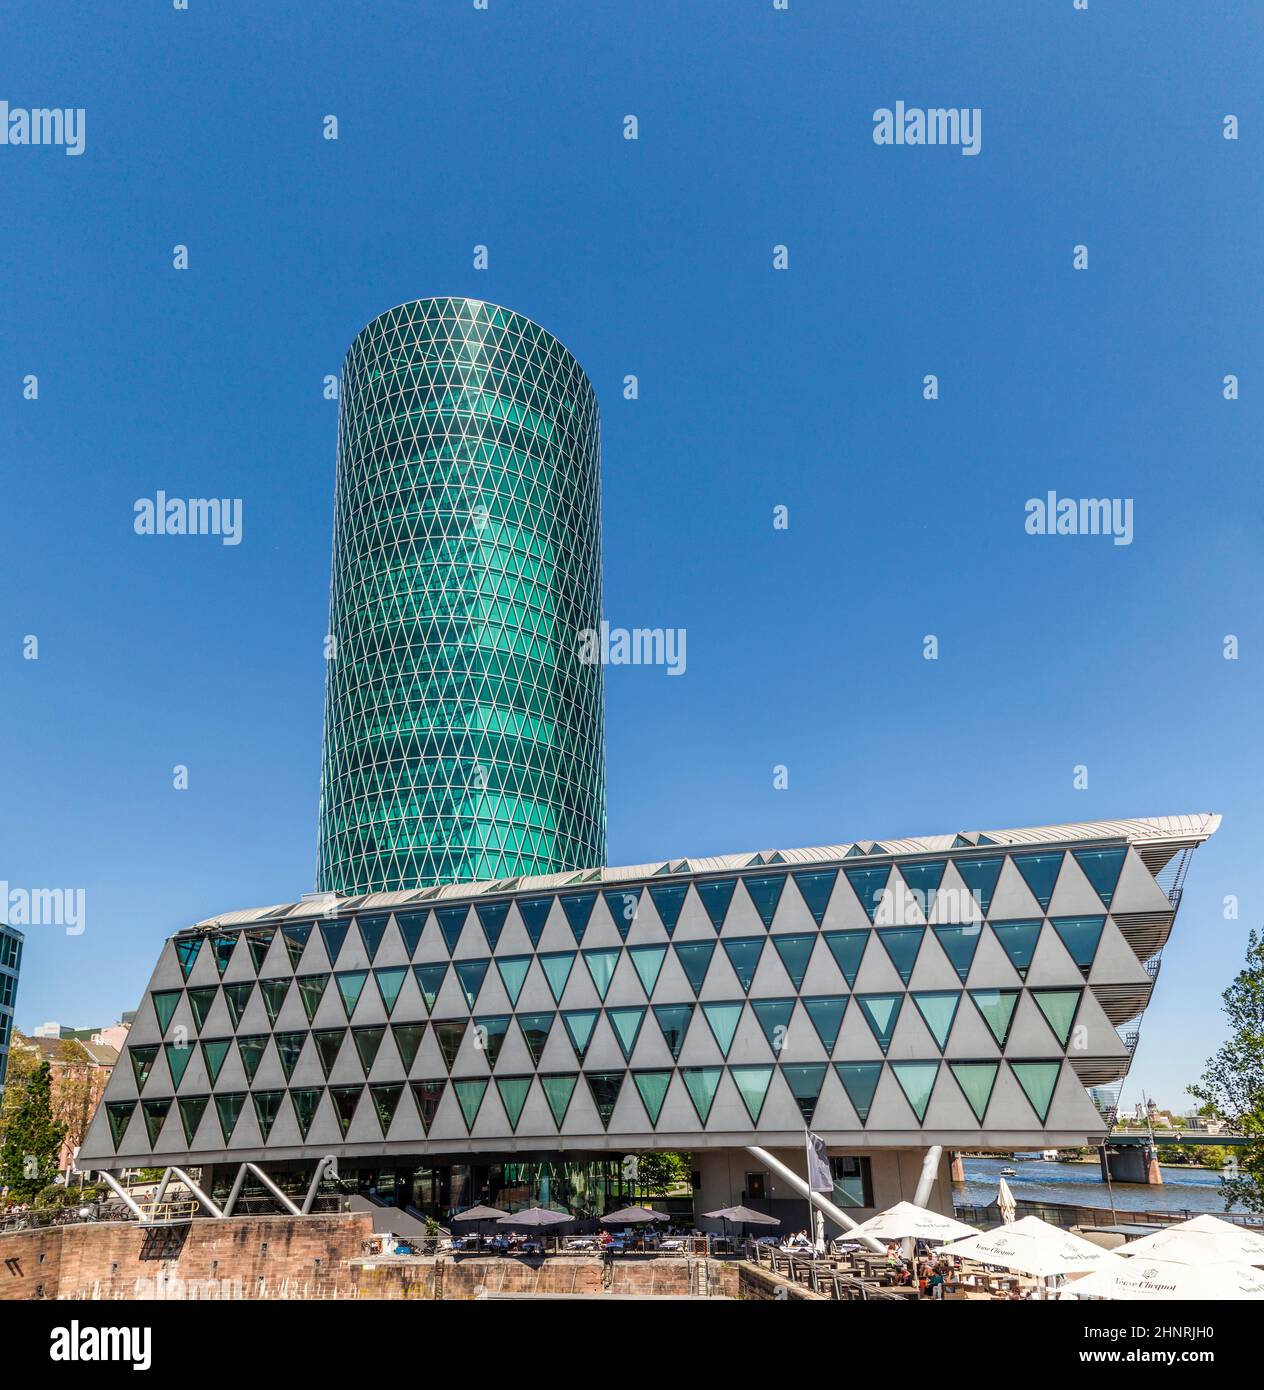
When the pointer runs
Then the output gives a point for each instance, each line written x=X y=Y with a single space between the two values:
x=463 y=734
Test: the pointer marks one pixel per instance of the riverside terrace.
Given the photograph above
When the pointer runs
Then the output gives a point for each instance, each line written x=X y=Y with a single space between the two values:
x=513 y=1042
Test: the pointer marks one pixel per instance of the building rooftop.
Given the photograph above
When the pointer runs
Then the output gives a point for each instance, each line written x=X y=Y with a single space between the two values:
x=1174 y=831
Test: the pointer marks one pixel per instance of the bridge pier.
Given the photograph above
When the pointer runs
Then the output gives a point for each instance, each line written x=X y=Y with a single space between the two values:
x=1132 y=1163
x=958 y=1173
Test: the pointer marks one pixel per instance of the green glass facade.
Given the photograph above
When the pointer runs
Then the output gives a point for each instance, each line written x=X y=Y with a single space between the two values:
x=463 y=734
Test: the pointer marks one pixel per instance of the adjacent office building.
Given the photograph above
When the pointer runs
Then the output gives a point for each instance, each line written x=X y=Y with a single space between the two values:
x=513 y=1042
x=10 y=964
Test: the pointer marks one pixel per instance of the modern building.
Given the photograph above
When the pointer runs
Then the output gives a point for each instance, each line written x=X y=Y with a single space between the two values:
x=514 y=1041
x=463 y=734
x=10 y=964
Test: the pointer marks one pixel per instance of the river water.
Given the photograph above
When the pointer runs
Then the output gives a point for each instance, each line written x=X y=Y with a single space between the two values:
x=1183 y=1189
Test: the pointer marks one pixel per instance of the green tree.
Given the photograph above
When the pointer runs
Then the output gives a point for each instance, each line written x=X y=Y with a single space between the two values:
x=1233 y=1082
x=32 y=1138
x=657 y=1172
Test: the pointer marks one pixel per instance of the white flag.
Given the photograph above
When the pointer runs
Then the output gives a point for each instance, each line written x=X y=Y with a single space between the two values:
x=820 y=1179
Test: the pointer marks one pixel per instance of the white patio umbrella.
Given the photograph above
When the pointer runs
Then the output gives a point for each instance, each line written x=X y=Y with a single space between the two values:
x=904 y=1221
x=1164 y=1280
x=1204 y=1240
x=1005 y=1201
x=1030 y=1246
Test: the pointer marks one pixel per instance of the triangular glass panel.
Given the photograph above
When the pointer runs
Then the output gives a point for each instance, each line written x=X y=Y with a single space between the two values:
x=471 y=974
x=804 y=1080
x=623 y=903
x=273 y=993
x=917 y=1081
x=976 y=1080
x=923 y=882
x=311 y=990
x=702 y=1084
x=996 y=1006
x=429 y=980
x=156 y=1112
x=1019 y=940
x=627 y=1027
x=385 y=1098
x=535 y=1033
x=578 y=908
x=428 y=1094
x=411 y=925
x=605 y=1087
x=817 y=888
x=451 y=920
x=192 y=1108
x=350 y=987
x=250 y=1048
x=652 y=1087
x=774 y=1019
x=513 y=975
x=267 y=1106
x=674 y=1019
x=305 y=1100
x=328 y=1041
x=826 y=1012
x=579 y=1028
x=723 y=1018
x=367 y=1042
x=979 y=876
x=848 y=950
x=390 y=980
x=695 y=958
x=513 y=1096
x=178 y=1055
x=938 y=1008
x=259 y=939
x=295 y=936
x=449 y=1035
x=601 y=966
x=860 y=1081
x=223 y=944
x=869 y=886
x=165 y=1001
x=647 y=961
x=744 y=953
x=228 y=1106
x=752 y=1085
x=882 y=1013
x=372 y=929
x=489 y=1035
x=1038 y=1080
x=120 y=1114
x=557 y=970
x=345 y=1099
x=716 y=896
x=1059 y=1007
x=1081 y=936
x=765 y=893
x=795 y=952
x=960 y=942
x=558 y=1089
x=237 y=997
x=333 y=934
x=1102 y=868
x=187 y=949
x=143 y=1059
x=1040 y=873
x=903 y=945
x=492 y=916
x=668 y=899
x=200 y=1001
x=534 y=913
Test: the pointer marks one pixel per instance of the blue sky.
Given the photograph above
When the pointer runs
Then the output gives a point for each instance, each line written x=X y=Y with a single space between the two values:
x=758 y=388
